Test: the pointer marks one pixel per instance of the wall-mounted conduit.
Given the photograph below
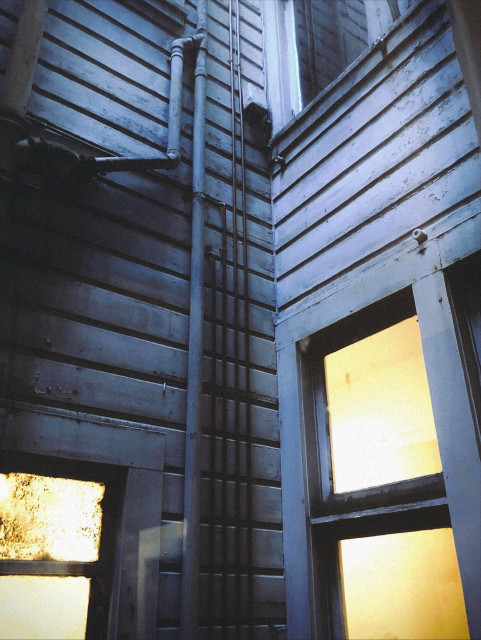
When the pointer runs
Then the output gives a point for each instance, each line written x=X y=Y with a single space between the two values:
x=242 y=527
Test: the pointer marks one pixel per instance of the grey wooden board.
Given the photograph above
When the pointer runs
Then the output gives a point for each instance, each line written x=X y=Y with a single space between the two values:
x=81 y=342
x=113 y=127
x=370 y=122
x=139 y=554
x=149 y=101
x=114 y=235
x=41 y=429
x=269 y=596
x=266 y=501
x=297 y=543
x=28 y=378
x=261 y=632
x=417 y=173
x=117 y=311
x=59 y=251
x=445 y=192
x=451 y=238
x=141 y=48
x=387 y=161
x=266 y=546
x=456 y=431
x=83 y=439
x=368 y=71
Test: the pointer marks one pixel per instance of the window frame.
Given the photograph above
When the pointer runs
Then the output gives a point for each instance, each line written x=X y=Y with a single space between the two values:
x=454 y=426
x=131 y=457
x=99 y=571
x=284 y=89
x=415 y=504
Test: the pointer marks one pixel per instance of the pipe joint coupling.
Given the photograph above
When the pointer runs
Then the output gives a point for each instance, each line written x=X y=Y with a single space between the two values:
x=173 y=157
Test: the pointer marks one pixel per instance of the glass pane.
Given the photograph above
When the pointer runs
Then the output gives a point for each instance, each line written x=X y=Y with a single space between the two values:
x=403 y=585
x=380 y=416
x=49 y=518
x=40 y=607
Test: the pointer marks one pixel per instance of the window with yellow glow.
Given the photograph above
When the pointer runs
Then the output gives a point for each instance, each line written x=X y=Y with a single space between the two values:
x=403 y=585
x=380 y=417
x=54 y=522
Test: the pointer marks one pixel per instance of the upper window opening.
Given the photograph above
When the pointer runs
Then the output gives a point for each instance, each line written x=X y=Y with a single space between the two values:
x=381 y=423
x=331 y=34
x=57 y=542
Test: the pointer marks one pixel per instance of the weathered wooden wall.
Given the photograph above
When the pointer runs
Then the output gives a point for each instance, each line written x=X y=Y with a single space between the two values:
x=388 y=148
x=95 y=283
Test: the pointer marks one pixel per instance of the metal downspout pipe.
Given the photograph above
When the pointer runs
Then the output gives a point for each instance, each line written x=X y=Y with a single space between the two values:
x=38 y=152
x=191 y=529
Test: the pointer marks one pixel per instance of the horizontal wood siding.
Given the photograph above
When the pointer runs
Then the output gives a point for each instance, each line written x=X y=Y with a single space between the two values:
x=400 y=152
x=94 y=294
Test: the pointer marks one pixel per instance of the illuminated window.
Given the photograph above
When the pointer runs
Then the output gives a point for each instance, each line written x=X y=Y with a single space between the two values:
x=54 y=576
x=384 y=555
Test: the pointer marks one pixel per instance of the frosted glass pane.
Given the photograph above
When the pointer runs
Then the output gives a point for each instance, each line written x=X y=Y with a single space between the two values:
x=49 y=518
x=41 y=607
x=403 y=585
x=380 y=416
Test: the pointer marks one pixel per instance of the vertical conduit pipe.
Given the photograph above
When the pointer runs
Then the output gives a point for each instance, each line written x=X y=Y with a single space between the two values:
x=191 y=530
x=248 y=426
x=18 y=81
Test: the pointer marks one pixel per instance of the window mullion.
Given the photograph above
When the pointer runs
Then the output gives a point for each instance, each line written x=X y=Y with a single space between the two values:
x=50 y=568
x=453 y=415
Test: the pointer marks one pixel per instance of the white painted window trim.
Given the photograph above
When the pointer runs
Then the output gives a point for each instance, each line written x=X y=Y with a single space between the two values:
x=456 y=435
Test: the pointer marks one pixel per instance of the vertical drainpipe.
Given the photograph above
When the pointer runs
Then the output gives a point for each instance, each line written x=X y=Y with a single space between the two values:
x=191 y=530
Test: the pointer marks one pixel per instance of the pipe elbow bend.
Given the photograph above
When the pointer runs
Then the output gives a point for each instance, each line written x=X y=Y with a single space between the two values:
x=173 y=158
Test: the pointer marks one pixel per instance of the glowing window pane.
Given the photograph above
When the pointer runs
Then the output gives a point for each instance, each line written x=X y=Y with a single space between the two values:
x=49 y=518
x=40 y=607
x=403 y=585
x=380 y=416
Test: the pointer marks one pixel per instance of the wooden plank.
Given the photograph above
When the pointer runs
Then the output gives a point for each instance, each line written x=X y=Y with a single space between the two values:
x=120 y=312
x=266 y=546
x=371 y=121
x=426 y=19
x=266 y=501
x=269 y=598
x=117 y=272
x=81 y=342
x=30 y=378
x=148 y=101
x=422 y=167
x=451 y=238
x=134 y=243
x=139 y=555
x=106 y=123
x=376 y=164
x=398 y=221
x=93 y=22
x=78 y=438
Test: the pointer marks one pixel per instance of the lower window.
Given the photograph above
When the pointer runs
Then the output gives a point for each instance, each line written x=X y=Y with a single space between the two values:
x=56 y=543
x=384 y=552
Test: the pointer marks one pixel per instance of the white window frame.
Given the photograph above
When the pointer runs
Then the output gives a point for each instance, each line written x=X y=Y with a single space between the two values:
x=452 y=411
